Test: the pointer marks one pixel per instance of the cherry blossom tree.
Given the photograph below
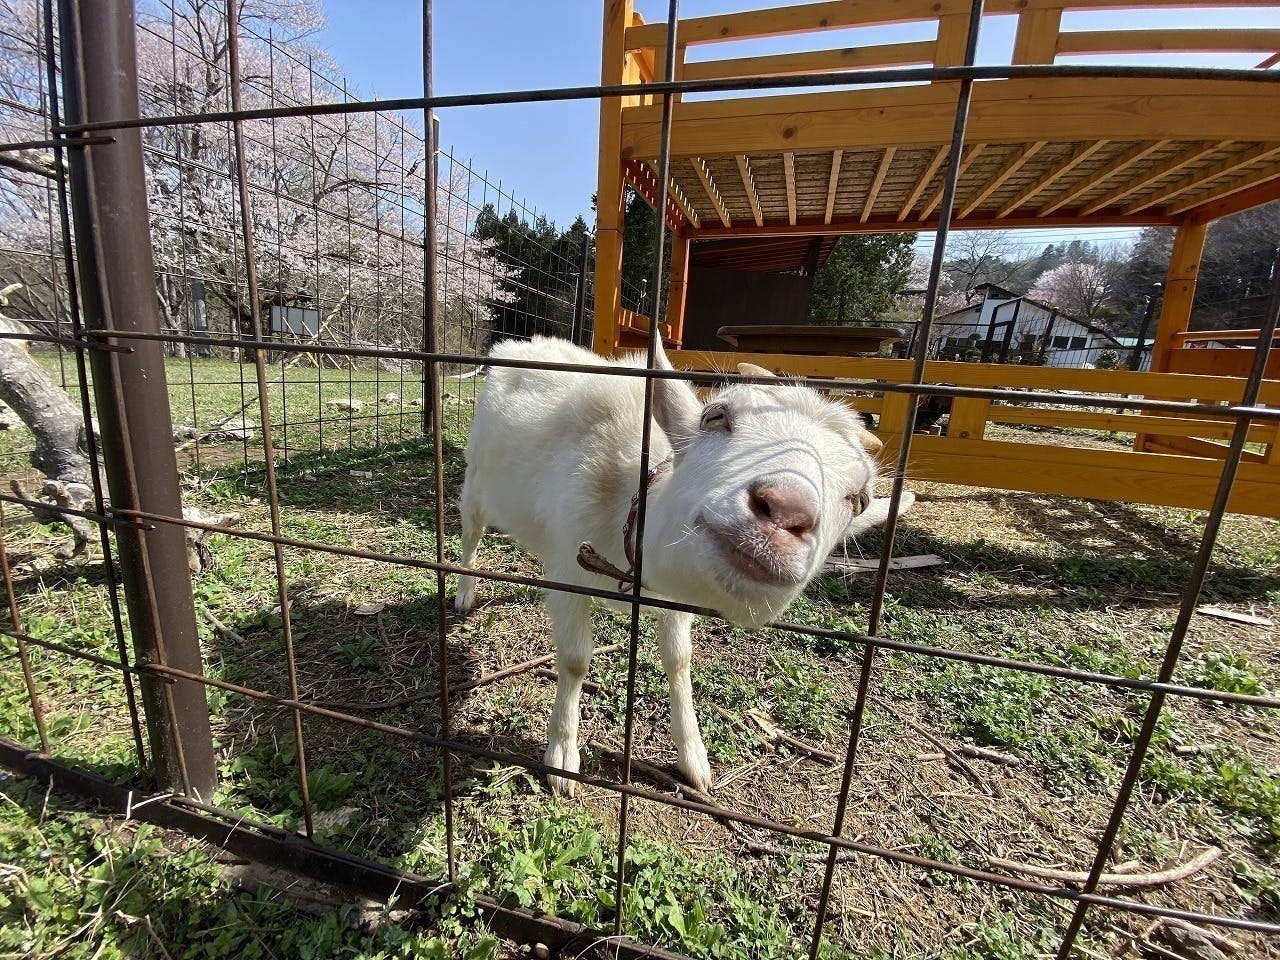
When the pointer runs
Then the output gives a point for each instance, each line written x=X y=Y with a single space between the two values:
x=1085 y=290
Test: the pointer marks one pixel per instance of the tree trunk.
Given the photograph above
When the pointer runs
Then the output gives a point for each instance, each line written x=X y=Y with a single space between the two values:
x=52 y=416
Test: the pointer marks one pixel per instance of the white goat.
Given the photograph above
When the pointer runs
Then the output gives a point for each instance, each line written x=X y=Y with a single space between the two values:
x=755 y=489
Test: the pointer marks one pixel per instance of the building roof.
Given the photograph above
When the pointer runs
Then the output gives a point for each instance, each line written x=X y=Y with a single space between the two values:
x=1088 y=325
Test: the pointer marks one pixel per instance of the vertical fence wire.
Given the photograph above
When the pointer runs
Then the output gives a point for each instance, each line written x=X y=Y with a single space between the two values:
x=1186 y=610
x=875 y=616
x=264 y=405
x=646 y=433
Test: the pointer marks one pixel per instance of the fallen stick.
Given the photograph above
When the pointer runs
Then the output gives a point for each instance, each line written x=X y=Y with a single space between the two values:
x=850 y=565
x=1123 y=881
x=958 y=761
x=774 y=733
x=222 y=628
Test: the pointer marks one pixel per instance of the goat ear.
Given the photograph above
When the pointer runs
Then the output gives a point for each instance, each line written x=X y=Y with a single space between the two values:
x=878 y=512
x=675 y=405
x=751 y=370
x=870 y=442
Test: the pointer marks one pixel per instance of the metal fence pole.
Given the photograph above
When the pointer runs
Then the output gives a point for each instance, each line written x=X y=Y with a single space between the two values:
x=113 y=250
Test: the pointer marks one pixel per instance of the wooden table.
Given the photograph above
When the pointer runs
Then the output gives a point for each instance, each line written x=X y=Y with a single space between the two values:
x=810 y=340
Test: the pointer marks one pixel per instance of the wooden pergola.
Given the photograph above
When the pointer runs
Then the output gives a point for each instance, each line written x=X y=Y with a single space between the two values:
x=1045 y=152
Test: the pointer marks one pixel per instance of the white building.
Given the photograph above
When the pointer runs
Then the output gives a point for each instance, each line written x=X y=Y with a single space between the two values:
x=1003 y=324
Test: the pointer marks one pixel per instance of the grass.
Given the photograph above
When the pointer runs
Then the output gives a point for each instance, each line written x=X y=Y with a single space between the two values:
x=1074 y=583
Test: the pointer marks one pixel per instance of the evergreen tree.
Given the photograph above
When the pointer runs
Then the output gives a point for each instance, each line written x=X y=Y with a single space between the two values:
x=859 y=281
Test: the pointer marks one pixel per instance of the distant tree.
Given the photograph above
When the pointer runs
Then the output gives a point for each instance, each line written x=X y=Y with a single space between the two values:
x=1083 y=289
x=975 y=257
x=861 y=278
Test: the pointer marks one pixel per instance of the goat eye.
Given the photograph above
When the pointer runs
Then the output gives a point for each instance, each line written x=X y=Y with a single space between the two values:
x=715 y=418
x=859 y=501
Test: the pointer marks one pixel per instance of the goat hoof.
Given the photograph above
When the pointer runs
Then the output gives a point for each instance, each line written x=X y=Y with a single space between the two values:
x=696 y=769
x=465 y=600
x=563 y=758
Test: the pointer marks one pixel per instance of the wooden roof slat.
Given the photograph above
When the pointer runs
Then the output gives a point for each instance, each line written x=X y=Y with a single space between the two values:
x=676 y=195
x=836 y=157
x=749 y=185
x=789 y=168
x=1212 y=40
x=1152 y=175
x=813 y=61
x=881 y=171
x=1118 y=165
x=1193 y=180
x=971 y=153
x=1234 y=186
x=996 y=182
x=1057 y=172
x=923 y=182
x=709 y=184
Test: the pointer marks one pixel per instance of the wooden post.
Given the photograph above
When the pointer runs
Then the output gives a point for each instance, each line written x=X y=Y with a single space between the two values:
x=610 y=195
x=1037 y=38
x=679 y=285
x=1179 y=291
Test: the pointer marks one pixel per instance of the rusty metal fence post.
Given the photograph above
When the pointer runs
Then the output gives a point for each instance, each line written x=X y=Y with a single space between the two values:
x=117 y=274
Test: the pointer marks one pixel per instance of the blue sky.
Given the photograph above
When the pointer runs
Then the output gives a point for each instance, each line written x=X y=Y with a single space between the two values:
x=547 y=152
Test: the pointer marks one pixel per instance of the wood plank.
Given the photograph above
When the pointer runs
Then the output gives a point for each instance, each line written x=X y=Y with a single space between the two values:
x=1248 y=39
x=1179 y=291
x=876 y=183
x=1121 y=163
x=749 y=185
x=644 y=177
x=1122 y=422
x=789 y=173
x=610 y=194
x=872 y=564
x=1235 y=616
x=815 y=61
x=880 y=223
x=838 y=14
x=1037 y=38
x=1154 y=174
x=1260 y=154
x=1054 y=174
x=971 y=153
x=1252 y=194
x=1202 y=178
x=1061 y=109
x=996 y=182
x=678 y=287
x=968 y=420
x=1229 y=187
x=953 y=37
x=1134 y=383
x=831 y=184
x=1164 y=480
x=925 y=179
x=708 y=183
x=682 y=201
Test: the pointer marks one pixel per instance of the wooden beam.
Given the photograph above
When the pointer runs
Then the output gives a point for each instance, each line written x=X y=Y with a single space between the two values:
x=836 y=157
x=852 y=224
x=1256 y=194
x=996 y=182
x=971 y=153
x=1270 y=62
x=1264 y=183
x=1058 y=109
x=1037 y=38
x=1179 y=291
x=953 y=35
x=1118 y=165
x=682 y=201
x=925 y=179
x=1264 y=151
x=789 y=172
x=1212 y=40
x=815 y=61
x=1056 y=173
x=704 y=174
x=1154 y=175
x=610 y=195
x=877 y=182
x=749 y=185
x=644 y=178
x=678 y=287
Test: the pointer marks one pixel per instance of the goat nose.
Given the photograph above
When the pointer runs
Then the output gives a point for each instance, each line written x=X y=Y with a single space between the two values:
x=784 y=506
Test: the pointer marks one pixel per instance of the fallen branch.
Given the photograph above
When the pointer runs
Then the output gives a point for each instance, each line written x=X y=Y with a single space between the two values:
x=772 y=733
x=957 y=761
x=1122 y=881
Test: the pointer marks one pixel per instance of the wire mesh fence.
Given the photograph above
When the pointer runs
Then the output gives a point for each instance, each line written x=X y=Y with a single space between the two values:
x=290 y=226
